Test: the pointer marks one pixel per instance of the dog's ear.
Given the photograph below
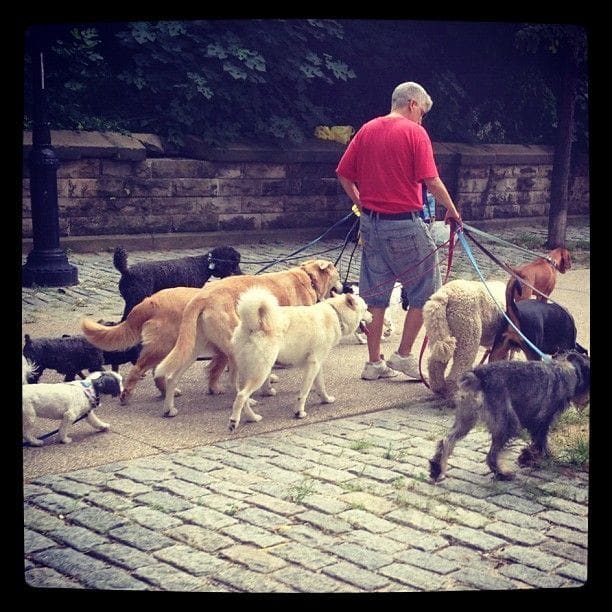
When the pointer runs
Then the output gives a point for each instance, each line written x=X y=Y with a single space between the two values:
x=566 y=261
x=323 y=265
x=350 y=300
x=108 y=383
x=582 y=365
x=27 y=339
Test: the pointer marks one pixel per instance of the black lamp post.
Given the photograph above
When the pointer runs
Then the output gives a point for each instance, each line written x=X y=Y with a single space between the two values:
x=47 y=265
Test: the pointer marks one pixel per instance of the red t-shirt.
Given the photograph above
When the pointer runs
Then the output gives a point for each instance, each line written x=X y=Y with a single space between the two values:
x=388 y=159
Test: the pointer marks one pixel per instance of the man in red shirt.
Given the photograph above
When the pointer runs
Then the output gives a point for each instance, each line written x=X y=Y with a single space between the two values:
x=382 y=171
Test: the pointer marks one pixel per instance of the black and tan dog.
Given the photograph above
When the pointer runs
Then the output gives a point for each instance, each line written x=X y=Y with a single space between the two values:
x=550 y=327
x=144 y=279
x=509 y=396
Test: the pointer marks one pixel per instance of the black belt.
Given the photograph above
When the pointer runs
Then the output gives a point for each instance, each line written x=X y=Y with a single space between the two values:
x=389 y=216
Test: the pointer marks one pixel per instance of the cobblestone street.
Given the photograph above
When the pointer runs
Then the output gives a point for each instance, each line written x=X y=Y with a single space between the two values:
x=337 y=506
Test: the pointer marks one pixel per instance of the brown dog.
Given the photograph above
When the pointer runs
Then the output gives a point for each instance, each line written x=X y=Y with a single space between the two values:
x=155 y=321
x=542 y=273
x=210 y=318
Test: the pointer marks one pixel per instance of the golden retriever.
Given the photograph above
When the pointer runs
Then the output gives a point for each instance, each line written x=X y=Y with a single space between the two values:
x=210 y=318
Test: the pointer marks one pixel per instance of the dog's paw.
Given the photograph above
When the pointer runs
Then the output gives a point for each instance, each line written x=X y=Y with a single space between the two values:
x=435 y=471
x=273 y=378
x=124 y=398
x=253 y=417
x=233 y=425
x=528 y=457
x=328 y=399
x=300 y=414
x=171 y=413
x=504 y=476
x=215 y=390
x=361 y=338
x=268 y=392
x=103 y=426
x=177 y=392
x=66 y=440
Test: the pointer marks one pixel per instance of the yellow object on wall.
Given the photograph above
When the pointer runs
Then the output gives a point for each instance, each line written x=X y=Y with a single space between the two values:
x=339 y=133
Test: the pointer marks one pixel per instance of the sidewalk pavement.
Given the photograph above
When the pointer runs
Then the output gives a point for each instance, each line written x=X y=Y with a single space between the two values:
x=337 y=502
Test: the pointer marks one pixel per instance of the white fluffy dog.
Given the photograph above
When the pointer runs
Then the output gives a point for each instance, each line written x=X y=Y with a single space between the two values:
x=67 y=402
x=295 y=335
x=458 y=318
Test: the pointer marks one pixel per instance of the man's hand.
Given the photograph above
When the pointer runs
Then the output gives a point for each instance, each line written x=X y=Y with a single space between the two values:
x=453 y=219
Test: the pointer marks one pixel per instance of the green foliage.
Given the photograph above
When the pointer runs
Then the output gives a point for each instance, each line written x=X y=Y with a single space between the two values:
x=275 y=80
x=221 y=80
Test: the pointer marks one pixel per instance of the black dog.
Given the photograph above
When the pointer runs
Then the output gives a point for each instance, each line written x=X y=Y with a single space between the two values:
x=146 y=278
x=510 y=396
x=550 y=327
x=70 y=355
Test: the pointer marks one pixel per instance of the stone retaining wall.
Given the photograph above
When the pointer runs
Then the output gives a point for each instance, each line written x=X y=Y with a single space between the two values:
x=117 y=184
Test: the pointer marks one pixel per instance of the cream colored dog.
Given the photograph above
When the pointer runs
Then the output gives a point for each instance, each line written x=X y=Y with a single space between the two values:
x=459 y=318
x=210 y=318
x=293 y=335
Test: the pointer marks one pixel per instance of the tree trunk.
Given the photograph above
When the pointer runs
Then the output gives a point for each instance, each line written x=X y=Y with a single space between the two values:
x=559 y=184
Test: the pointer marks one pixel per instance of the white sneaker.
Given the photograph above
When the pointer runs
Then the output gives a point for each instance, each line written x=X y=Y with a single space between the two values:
x=374 y=371
x=406 y=365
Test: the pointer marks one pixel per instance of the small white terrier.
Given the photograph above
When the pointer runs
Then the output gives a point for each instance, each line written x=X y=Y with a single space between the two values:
x=67 y=402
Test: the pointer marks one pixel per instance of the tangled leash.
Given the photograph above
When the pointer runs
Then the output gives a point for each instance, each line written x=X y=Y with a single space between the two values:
x=468 y=251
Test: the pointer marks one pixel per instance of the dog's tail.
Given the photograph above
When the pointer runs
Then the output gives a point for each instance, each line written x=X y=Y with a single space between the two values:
x=441 y=342
x=28 y=371
x=256 y=308
x=186 y=339
x=120 y=258
x=124 y=335
x=514 y=290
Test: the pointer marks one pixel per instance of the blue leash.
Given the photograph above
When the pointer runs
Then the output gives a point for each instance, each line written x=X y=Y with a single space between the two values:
x=307 y=245
x=468 y=252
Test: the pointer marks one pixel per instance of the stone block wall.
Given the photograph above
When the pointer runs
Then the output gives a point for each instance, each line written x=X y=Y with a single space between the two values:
x=116 y=184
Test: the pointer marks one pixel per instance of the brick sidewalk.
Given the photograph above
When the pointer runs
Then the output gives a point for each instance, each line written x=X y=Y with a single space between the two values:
x=330 y=507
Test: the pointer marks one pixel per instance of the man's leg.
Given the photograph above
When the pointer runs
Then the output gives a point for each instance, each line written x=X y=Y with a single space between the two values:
x=403 y=360
x=375 y=332
x=412 y=326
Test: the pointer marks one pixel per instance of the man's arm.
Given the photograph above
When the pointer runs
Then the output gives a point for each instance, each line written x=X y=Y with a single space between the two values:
x=350 y=189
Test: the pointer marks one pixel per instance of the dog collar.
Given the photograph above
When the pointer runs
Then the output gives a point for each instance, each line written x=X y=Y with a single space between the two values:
x=342 y=326
x=552 y=262
x=89 y=391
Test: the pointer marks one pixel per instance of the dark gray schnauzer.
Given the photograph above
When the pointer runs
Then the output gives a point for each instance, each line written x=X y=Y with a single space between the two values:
x=144 y=279
x=509 y=396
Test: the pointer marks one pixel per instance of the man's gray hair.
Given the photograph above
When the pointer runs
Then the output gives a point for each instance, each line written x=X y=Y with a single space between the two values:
x=405 y=92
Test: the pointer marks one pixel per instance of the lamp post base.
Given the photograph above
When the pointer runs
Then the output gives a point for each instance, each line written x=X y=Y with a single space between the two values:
x=49 y=268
